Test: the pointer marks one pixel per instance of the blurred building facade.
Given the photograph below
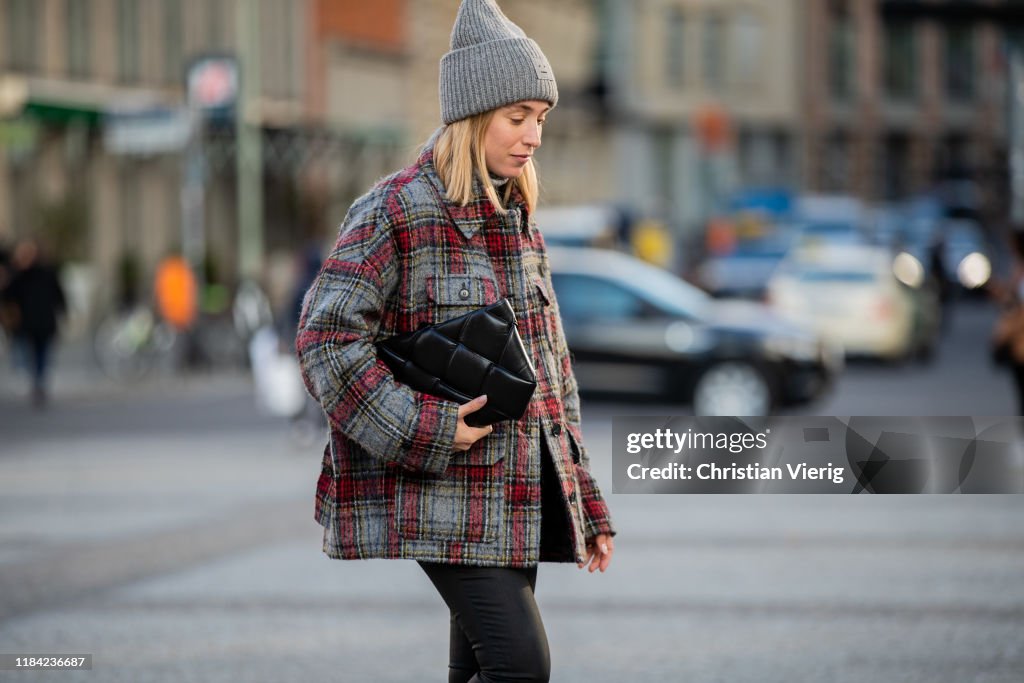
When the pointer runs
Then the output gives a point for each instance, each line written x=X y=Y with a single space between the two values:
x=703 y=98
x=66 y=64
x=901 y=94
x=666 y=107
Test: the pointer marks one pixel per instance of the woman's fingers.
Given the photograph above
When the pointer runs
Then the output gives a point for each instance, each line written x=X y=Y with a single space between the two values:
x=470 y=435
x=473 y=406
x=607 y=551
x=590 y=554
x=599 y=553
x=465 y=435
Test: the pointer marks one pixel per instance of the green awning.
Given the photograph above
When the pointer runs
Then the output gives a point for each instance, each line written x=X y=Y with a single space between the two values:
x=62 y=114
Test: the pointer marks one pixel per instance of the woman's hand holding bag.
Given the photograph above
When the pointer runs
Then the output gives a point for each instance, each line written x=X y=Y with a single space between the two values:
x=465 y=435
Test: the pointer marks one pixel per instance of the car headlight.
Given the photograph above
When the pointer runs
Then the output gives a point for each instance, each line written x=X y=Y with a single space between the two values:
x=974 y=270
x=908 y=269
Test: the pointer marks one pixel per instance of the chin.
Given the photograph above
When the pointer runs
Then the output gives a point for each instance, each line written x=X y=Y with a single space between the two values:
x=513 y=172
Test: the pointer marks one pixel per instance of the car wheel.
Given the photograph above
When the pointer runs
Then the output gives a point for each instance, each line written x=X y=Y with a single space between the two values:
x=732 y=388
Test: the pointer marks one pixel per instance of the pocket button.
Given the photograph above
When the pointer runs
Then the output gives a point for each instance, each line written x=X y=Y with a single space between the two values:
x=464 y=293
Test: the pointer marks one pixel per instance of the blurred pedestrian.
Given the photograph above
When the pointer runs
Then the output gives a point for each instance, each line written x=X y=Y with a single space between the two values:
x=1008 y=334
x=404 y=475
x=177 y=302
x=34 y=300
x=6 y=309
x=943 y=285
x=174 y=287
x=307 y=267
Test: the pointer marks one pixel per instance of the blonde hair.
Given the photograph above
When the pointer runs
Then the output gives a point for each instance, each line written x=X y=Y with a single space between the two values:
x=459 y=154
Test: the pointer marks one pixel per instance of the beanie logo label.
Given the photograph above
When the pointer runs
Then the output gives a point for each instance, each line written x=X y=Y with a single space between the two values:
x=543 y=70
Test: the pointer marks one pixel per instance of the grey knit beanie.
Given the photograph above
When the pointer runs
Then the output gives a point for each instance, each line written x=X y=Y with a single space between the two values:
x=491 y=64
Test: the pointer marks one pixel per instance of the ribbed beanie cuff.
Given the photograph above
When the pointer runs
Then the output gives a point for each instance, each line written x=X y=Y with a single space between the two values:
x=491 y=64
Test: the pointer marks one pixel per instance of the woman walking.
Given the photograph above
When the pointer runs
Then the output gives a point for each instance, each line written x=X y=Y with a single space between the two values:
x=403 y=475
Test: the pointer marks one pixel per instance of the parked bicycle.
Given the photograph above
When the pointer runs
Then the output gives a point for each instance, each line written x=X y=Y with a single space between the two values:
x=128 y=345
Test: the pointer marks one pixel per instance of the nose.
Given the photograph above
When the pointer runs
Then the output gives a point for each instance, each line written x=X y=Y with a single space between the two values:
x=532 y=135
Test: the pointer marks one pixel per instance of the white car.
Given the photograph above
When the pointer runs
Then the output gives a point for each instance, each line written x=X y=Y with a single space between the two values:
x=850 y=295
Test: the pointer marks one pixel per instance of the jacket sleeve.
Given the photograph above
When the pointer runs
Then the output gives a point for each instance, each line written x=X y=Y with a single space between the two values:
x=341 y=315
x=595 y=510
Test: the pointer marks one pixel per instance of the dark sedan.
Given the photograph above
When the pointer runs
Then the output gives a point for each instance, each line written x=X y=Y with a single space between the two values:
x=635 y=328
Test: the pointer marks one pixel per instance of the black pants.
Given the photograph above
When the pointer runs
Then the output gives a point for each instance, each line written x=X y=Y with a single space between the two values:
x=37 y=357
x=496 y=629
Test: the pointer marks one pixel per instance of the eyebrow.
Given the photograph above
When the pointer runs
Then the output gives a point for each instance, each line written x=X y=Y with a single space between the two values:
x=528 y=108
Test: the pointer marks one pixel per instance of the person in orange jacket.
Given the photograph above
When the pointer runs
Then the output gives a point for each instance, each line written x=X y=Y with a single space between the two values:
x=176 y=293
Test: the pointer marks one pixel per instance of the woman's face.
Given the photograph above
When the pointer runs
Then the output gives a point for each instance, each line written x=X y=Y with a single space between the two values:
x=512 y=137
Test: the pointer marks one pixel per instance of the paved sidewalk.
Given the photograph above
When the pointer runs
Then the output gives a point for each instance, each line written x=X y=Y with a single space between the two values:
x=183 y=549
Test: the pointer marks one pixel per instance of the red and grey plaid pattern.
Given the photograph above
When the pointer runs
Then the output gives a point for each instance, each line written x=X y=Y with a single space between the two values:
x=391 y=486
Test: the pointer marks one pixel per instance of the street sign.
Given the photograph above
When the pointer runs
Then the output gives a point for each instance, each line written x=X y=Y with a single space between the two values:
x=212 y=83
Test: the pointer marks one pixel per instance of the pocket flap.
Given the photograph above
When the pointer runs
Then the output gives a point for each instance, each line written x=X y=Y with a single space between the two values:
x=461 y=290
x=542 y=289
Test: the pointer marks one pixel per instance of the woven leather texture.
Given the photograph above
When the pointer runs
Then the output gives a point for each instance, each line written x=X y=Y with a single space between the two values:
x=480 y=352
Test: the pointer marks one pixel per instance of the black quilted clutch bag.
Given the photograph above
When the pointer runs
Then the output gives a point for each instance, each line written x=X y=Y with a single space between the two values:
x=477 y=353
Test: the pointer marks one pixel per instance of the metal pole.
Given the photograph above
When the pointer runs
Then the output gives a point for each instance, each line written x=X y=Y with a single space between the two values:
x=249 y=154
x=193 y=198
x=1016 y=132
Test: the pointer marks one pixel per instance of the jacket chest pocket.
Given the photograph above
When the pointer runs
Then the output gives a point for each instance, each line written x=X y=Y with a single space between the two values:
x=543 y=308
x=452 y=295
x=462 y=506
x=539 y=289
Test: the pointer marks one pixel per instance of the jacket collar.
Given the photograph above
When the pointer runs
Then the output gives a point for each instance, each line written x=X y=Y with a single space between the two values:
x=472 y=218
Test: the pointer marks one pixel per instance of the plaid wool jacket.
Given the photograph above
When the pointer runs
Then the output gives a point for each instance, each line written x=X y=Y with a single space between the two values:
x=391 y=486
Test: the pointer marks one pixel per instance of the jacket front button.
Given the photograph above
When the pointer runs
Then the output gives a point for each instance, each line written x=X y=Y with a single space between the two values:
x=464 y=293
x=556 y=428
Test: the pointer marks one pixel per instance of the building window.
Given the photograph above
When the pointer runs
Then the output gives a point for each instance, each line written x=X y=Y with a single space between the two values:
x=835 y=175
x=22 y=31
x=675 y=51
x=960 y=65
x=78 y=26
x=841 y=57
x=747 y=36
x=900 y=61
x=714 y=52
x=215 y=25
x=173 y=67
x=128 y=40
x=896 y=168
x=277 y=63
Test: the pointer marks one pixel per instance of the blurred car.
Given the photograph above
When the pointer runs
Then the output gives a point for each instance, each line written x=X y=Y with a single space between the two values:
x=821 y=233
x=826 y=220
x=746 y=270
x=887 y=226
x=583 y=225
x=953 y=249
x=831 y=208
x=967 y=255
x=635 y=328
x=865 y=298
